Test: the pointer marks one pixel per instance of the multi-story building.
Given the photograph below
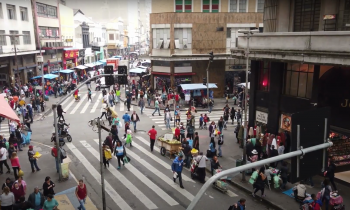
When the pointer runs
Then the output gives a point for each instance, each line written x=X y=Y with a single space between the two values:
x=183 y=32
x=301 y=62
x=16 y=18
x=113 y=37
x=48 y=34
x=145 y=10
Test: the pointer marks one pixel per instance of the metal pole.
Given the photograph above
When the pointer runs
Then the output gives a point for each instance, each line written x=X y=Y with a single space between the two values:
x=101 y=164
x=324 y=150
x=14 y=45
x=54 y=107
x=42 y=70
x=245 y=107
x=208 y=85
x=227 y=172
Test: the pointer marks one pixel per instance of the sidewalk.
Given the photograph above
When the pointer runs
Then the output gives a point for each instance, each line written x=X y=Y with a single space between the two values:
x=274 y=197
x=219 y=104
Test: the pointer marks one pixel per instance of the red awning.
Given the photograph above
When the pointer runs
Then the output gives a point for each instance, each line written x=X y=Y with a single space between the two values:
x=160 y=73
x=6 y=111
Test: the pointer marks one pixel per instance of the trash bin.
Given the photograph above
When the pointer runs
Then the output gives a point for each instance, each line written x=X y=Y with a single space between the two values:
x=65 y=170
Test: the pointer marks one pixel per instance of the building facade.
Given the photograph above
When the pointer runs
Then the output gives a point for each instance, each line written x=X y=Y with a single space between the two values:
x=48 y=34
x=16 y=18
x=302 y=62
x=184 y=32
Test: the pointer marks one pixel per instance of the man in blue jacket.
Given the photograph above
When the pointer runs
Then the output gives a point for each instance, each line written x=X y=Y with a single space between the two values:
x=126 y=118
x=176 y=167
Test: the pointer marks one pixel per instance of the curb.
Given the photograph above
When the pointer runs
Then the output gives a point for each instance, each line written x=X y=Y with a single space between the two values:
x=249 y=191
x=134 y=104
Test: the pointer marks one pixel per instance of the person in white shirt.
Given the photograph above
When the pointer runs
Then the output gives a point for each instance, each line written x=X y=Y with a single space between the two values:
x=3 y=158
x=201 y=160
x=25 y=88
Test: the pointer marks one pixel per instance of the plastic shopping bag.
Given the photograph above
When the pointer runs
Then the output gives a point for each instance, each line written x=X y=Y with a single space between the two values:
x=37 y=155
x=108 y=154
x=20 y=173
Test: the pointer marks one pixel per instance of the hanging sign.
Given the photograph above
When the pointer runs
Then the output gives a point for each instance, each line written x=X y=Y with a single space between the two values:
x=261 y=117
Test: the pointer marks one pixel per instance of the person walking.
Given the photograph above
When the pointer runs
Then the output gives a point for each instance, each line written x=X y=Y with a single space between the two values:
x=120 y=153
x=233 y=114
x=240 y=205
x=330 y=174
x=81 y=193
x=15 y=164
x=128 y=102
x=111 y=99
x=32 y=159
x=260 y=182
x=50 y=203
x=7 y=199
x=30 y=112
x=156 y=108
x=284 y=175
x=8 y=183
x=60 y=112
x=141 y=104
x=105 y=160
x=3 y=158
x=89 y=95
x=36 y=199
x=220 y=143
x=214 y=165
x=18 y=192
x=201 y=160
x=326 y=193
x=167 y=119
x=134 y=118
x=152 y=135
x=126 y=118
x=221 y=124
x=48 y=187
x=104 y=110
x=176 y=167
x=210 y=105
x=239 y=116
x=196 y=141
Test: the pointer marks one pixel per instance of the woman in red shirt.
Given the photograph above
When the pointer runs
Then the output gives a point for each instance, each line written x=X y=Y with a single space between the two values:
x=15 y=164
x=177 y=133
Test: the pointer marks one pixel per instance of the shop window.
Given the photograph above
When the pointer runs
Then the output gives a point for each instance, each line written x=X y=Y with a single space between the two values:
x=14 y=38
x=260 y=5
x=264 y=76
x=210 y=6
x=2 y=38
x=159 y=36
x=183 y=5
x=11 y=12
x=299 y=80
x=307 y=15
x=183 y=38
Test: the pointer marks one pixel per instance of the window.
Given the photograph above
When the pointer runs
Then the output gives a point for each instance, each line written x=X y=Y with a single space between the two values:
x=26 y=37
x=183 y=38
x=299 y=79
x=11 y=12
x=210 y=6
x=183 y=5
x=1 y=16
x=307 y=15
x=161 y=36
x=264 y=76
x=49 y=32
x=111 y=36
x=14 y=38
x=260 y=5
x=228 y=33
x=24 y=13
x=44 y=10
x=270 y=16
x=238 y=6
x=2 y=38
x=346 y=16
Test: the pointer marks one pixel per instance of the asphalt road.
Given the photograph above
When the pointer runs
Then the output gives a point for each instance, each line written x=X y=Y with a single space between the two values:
x=145 y=182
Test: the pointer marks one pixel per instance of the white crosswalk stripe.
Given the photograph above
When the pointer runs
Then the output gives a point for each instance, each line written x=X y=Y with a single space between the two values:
x=87 y=104
x=151 y=197
x=4 y=129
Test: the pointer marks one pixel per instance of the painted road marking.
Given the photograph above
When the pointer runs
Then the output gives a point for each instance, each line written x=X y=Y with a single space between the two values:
x=133 y=189
x=96 y=104
x=78 y=105
x=109 y=189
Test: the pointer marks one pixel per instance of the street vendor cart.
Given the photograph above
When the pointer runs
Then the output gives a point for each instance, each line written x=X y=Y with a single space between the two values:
x=168 y=144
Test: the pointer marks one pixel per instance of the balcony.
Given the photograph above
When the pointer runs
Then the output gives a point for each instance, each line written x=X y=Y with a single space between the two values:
x=322 y=47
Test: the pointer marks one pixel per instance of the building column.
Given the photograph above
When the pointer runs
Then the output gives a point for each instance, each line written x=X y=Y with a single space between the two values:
x=254 y=85
x=315 y=81
x=172 y=77
x=10 y=72
x=25 y=76
x=276 y=85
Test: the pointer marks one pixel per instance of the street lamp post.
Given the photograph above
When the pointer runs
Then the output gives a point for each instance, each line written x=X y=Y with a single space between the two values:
x=248 y=33
x=42 y=67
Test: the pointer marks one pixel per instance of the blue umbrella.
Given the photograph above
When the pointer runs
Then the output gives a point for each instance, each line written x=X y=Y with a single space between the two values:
x=50 y=76
x=36 y=77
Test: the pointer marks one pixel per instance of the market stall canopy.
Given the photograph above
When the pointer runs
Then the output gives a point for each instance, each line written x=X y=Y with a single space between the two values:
x=6 y=111
x=36 y=77
x=137 y=70
x=104 y=61
x=243 y=84
x=197 y=86
x=90 y=65
x=65 y=71
x=50 y=76
x=80 y=67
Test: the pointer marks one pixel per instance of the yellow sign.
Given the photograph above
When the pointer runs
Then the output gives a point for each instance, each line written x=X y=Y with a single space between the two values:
x=69 y=40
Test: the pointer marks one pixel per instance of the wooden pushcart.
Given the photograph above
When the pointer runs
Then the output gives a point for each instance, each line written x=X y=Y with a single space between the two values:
x=166 y=146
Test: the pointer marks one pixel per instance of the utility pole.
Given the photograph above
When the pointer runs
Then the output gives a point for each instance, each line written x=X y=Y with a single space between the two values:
x=101 y=164
x=211 y=59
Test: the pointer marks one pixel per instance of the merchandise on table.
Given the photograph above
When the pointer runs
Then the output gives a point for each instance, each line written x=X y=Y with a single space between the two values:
x=339 y=153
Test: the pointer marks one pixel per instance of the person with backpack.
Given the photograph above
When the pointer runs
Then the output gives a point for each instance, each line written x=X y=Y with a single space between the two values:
x=240 y=205
x=220 y=143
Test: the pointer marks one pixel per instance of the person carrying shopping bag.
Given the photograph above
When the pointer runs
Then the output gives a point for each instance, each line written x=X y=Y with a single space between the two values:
x=32 y=159
x=128 y=138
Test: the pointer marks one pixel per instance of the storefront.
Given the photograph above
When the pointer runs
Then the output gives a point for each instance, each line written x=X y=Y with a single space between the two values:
x=70 y=58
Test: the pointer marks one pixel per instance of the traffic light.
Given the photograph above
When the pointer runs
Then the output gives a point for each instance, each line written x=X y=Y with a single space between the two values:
x=123 y=80
x=204 y=81
x=109 y=80
x=211 y=56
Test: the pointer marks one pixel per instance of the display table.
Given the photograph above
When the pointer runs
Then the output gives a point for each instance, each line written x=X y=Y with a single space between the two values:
x=335 y=200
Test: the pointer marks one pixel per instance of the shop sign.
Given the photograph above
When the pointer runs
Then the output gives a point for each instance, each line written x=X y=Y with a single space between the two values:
x=329 y=17
x=71 y=54
x=69 y=40
x=95 y=48
x=81 y=53
x=286 y=122
x=261 y=117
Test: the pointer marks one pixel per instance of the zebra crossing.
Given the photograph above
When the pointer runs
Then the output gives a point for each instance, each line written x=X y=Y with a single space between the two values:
x=71 y=107
x=147 y=177
x=4 y=129
x=213 y=116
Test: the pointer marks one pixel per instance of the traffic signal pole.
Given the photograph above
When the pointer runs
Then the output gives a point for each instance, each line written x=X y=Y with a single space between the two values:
x=298 y=153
